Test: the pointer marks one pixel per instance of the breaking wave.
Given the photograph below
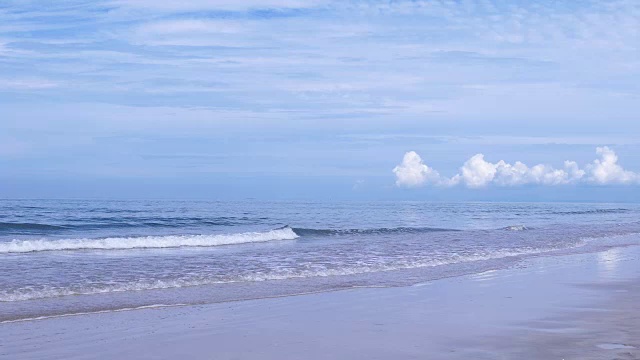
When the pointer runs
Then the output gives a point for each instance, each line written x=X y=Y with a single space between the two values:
x=174 y=241
x=146 y=242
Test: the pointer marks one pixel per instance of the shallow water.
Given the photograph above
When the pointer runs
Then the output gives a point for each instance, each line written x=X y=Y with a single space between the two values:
x=65 y=257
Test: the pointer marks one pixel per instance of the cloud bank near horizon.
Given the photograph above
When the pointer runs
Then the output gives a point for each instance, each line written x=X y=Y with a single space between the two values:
x=478 y=173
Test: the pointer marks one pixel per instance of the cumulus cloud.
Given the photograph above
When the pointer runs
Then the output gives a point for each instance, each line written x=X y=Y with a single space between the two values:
x=478 y=172
x=607 y=171
x=412 y=172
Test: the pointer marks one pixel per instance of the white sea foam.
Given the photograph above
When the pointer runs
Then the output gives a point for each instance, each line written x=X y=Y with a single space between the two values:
x=50 y=292
x=516 y=228
x=45 y=317
x=46 y=292
x=121 y=243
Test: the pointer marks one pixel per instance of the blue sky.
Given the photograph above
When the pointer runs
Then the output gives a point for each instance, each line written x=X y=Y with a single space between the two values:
x=314 y=99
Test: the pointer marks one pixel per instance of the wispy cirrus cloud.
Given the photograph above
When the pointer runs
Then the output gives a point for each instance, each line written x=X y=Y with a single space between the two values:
x=457 y=52
x=26 y=84
x=202 y=5
x=191 y=32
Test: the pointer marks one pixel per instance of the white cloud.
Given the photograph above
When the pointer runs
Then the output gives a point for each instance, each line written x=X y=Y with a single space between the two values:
x=191 y=26
x=347 y=58
x=26 y=84
x=607 y=171
x=412 y=172
x=477 y=172
x=230 y=5
x=191 y=32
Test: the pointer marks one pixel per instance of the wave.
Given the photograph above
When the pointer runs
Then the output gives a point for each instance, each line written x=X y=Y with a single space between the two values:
x=173 y=222
x=107 y=222
x=159 y=284
x=151 y=223
x=593 y=211
x=28 y=226
x=337 y=232
x=146 y=242
x=174 y=241
x=516 y=228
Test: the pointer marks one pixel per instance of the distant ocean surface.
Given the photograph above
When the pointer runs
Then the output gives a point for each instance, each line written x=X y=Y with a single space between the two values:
x=63 y=257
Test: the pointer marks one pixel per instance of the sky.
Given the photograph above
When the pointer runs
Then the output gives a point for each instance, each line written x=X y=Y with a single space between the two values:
x=291 y=99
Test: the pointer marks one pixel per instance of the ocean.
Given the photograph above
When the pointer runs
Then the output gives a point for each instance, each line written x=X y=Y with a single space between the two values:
x=69 y=257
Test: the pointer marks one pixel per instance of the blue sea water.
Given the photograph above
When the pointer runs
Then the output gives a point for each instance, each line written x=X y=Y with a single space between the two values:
x=62 y=257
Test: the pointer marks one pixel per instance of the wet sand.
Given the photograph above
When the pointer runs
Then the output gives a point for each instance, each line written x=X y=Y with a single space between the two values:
x=561 y=307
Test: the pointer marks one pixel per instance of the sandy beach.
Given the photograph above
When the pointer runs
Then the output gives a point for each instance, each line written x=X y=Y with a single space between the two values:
x=580 y=306
x=319 y=180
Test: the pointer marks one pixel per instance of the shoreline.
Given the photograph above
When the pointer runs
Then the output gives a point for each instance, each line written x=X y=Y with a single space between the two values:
x=229 y=292
x=445 y=318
